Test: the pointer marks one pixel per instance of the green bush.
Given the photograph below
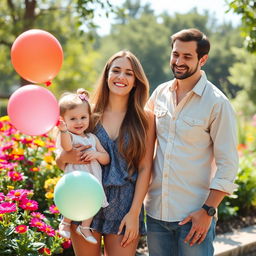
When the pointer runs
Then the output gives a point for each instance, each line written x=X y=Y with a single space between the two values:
x=243 y=201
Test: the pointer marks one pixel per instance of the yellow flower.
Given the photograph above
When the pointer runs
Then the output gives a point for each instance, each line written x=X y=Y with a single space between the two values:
x=17 y=136
x=48 y=159
x=17 y=151
x=10 y=187
x=39 y=143
x=49 y=195
x=250 y=138
x=51 y=149
x=4 y=118
x=50 y=184
x=49 y=166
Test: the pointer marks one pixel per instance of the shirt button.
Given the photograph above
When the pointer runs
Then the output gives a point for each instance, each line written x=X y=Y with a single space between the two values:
x=173 y=118
x=165 y=175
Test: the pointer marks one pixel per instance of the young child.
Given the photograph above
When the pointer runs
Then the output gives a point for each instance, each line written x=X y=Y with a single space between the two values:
x=74 y=127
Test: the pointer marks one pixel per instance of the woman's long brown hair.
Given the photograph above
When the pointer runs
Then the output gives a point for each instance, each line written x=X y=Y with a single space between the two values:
x=135 y=122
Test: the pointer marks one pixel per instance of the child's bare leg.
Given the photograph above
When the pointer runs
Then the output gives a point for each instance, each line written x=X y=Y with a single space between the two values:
x=84 y=230
x=86 y=223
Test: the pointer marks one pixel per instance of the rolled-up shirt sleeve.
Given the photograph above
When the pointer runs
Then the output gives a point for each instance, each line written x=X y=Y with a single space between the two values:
x=223 y=132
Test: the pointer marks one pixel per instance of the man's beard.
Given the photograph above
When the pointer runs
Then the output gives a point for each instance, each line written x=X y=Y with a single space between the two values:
x=185 y=75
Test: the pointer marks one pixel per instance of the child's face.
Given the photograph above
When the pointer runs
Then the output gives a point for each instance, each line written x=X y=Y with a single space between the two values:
x=77 y=119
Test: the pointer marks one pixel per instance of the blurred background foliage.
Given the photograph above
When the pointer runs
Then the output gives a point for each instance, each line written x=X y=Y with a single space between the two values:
x=135 y=27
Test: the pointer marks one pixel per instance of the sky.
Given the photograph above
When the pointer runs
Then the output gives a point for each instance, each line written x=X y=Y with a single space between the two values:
x=214 y=7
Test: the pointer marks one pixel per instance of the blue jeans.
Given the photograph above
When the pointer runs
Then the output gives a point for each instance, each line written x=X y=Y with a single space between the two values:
x=167 y=239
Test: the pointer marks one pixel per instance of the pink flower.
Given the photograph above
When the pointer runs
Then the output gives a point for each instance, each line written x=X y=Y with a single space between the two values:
x=7 y=165
x=35 y=222
x=28 y=204
x=18 y=195
x=38 y=215
x=7 y=207
x=10 y=131
x=66 y=244
x=53 y=209
x=15 y=176
x=7 y=146
x=2 y=197
x=21 y=229
x=48 y=230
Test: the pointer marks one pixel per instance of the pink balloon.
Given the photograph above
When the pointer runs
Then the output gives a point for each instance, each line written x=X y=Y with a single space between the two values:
x=33 y=110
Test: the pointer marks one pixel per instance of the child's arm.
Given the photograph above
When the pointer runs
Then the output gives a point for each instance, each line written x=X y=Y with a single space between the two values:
x=100 y=154
x=65 y=137
x=65 y=140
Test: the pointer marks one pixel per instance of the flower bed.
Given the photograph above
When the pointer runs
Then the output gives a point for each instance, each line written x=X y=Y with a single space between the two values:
x=28 y=173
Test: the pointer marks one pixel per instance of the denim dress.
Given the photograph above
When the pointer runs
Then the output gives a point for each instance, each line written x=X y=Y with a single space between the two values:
x=119 y=188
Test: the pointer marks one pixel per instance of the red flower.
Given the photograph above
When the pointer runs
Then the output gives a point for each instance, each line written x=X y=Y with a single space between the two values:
x=45 y=250
x=28 y=204
x=26 y=140
x=34 y=169
x=7 y=207
x=17 y=157
x=15 y=176
x=66 y=244
x=21 y=229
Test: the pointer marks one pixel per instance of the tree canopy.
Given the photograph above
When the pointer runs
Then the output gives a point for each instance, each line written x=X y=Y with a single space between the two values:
x=247 y=10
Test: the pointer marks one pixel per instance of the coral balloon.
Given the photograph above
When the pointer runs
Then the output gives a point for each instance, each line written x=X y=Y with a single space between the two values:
x=33 y=110
x=78 y=195
x=37 y=56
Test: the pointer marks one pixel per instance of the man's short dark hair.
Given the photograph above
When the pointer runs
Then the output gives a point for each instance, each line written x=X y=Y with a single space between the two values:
x=192 y=34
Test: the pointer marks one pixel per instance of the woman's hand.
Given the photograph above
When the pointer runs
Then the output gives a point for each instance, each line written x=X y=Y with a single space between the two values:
x=131 y=224
x=90 y=155
x=74 y=156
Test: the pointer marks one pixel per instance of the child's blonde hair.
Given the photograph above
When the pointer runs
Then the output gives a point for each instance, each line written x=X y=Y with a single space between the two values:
x=69 y=101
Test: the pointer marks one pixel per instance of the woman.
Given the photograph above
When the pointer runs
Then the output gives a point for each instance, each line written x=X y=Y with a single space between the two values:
x=122 y=126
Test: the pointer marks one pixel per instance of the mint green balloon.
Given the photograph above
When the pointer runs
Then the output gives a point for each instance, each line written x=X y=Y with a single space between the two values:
x=78 y=195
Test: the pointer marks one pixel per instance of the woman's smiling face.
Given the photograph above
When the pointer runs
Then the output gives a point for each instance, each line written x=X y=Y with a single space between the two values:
x=121 y=77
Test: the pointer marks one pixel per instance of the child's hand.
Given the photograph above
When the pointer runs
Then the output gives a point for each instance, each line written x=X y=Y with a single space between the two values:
x=62 y=125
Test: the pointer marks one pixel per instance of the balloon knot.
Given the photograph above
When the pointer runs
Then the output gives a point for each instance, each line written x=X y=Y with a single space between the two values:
x=48 y=83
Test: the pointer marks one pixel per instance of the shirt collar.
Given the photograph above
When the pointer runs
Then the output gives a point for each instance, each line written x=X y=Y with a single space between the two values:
x=200 y=85
x=198 y=88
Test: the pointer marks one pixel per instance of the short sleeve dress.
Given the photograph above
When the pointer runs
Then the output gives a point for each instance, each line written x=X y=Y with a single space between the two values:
x=119 y=189
x=93 y=167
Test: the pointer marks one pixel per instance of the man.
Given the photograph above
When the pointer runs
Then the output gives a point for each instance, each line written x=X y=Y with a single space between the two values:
x=196 y=158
